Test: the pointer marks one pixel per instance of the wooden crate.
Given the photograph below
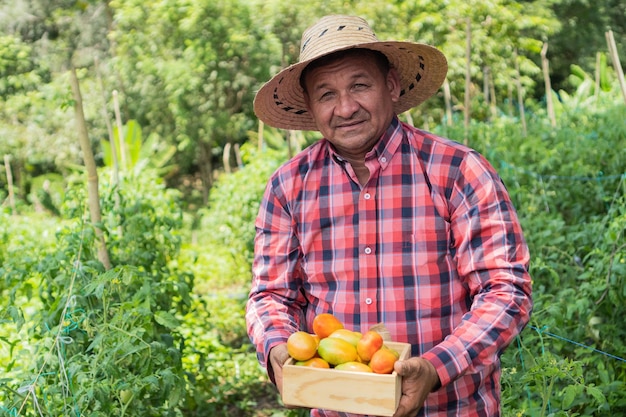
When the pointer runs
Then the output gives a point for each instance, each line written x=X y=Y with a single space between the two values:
x=352 y=392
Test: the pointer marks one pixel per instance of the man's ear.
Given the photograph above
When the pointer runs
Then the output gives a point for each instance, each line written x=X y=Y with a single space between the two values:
x=393 y=83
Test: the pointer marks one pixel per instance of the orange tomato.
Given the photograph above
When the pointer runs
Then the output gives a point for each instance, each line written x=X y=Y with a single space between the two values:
x=383 y=360
x=314 y=363
x=353 y=366
x=371 y=342
x=347 y=335
x=336 y=351
x=325 y=324
x=301 y=346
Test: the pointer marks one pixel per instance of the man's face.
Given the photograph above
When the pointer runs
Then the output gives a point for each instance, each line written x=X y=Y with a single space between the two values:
x=351 y=101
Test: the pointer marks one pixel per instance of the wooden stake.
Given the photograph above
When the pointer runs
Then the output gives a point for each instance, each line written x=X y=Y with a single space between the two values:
x=596 y=93
x=92 y=172
x=260 y=135
x=105 y=115
x=486 y=71
x=120 y=129
x=493 y=103
x=226 y=157
x=116 y=167
x=468 y=77
x=238 y=157
x=616 y=63
x=7 y=168
x=448 y=99
x=548 y=85
x=520 y=94
x=290 y=135
x=409 y=118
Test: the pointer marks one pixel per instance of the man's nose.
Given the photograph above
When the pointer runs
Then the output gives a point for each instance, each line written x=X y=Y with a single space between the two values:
x=346 y=106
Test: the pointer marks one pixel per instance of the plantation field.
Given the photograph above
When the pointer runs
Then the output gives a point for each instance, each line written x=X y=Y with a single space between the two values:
x=132 y=167
x=162 y=333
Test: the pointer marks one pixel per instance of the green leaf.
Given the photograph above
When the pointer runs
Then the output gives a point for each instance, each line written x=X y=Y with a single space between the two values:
x=571 y=392
x=166 y=319
x=596 y=393
x=17 y=316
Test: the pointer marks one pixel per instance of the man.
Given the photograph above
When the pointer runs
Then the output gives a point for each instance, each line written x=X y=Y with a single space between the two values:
x=382 y=222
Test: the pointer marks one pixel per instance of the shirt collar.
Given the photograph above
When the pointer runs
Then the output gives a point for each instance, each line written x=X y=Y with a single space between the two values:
x=384 y=149
x=388 y=144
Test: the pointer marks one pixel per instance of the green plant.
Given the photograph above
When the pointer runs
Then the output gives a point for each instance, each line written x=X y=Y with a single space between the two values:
x=227 y=225
x=224 y=377
x=101 y=342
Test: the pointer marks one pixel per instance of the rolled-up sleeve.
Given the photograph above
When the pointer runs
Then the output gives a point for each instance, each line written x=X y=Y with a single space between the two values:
x=275 y=303
x=492 y=260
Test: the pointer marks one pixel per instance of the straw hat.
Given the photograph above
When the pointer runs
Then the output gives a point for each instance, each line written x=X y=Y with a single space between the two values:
x=422 y=69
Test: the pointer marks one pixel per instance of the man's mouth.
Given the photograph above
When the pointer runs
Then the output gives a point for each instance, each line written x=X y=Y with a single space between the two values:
x=347 y=125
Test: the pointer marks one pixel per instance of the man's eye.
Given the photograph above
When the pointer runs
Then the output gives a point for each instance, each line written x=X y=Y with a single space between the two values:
x=327 y=95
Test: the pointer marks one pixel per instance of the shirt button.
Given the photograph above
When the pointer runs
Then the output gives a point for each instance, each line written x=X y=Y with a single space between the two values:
x=368 y=301
x=383 y=159
x=367 y=196
x=368 y=250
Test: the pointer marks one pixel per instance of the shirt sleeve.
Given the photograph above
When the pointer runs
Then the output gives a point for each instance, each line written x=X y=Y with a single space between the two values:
x=492 y=261
x=275 y=305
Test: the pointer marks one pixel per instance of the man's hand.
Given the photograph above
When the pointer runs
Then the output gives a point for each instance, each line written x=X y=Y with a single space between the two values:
x=278 y=357
x=419 y=378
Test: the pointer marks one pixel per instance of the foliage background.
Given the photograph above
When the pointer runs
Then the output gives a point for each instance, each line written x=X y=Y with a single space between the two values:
x=162 y=332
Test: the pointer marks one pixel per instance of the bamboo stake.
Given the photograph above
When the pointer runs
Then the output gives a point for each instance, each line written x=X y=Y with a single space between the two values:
x=596 y=93
x=261 y=126
x=120 y=129
x=105 y=115
x=616 y=63
x=448 y=99
x=520 y=95
x=290 y=135
x=409 y=118
x=116 y=167
x=545 y=65
x=468 y=77
x=238 y=157
x=493 y=103
x=486 y=71
x=226 y=157
x=7 y=168
x=92 y=172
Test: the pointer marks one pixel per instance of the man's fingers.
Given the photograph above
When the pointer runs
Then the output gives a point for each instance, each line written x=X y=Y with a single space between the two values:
x=407 y=367
x=277 y=358
x=279 y=355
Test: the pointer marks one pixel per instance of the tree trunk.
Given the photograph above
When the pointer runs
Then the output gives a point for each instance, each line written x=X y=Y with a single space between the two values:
x=92 y=173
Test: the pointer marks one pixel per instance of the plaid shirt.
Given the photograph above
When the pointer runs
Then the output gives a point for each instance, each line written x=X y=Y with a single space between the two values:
x=431 y=246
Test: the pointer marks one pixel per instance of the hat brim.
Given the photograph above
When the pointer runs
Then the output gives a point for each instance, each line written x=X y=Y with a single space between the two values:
x=422 y=70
